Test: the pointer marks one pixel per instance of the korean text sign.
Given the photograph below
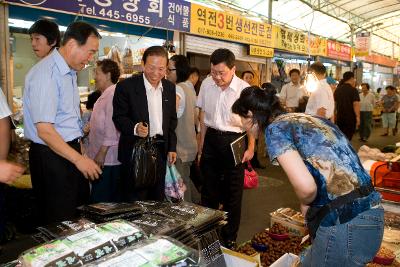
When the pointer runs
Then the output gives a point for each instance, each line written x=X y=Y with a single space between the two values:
x=223 y=25
x=338 y=50
x=261 y=51
x=168 y=14
x=290 y=40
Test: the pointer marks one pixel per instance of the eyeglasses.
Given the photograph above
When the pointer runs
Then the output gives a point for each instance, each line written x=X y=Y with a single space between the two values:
x=171 y=69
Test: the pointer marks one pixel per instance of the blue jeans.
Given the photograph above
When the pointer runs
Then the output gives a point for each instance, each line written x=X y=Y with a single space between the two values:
x=350 y=244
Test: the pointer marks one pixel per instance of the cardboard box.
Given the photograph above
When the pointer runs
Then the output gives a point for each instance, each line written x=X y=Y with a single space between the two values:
x=236 y=259
x=294 y=229
x=286 y=260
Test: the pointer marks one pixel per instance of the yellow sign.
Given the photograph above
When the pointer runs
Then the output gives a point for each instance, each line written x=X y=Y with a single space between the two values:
x=261 y=51
x=298 y=42
x=317 y=46
x=223 y=25
x=290 y=40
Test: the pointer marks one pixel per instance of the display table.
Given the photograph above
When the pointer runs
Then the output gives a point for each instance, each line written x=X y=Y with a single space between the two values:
x=118 y=232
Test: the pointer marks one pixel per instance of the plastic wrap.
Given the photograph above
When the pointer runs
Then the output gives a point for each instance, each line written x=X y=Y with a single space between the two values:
x=122 y=233
x=155 y=251
x=144 y=163
x=65 y=228
x=55 y=253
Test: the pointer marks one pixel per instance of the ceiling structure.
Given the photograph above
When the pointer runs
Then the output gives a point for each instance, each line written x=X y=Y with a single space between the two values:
x=335 y=19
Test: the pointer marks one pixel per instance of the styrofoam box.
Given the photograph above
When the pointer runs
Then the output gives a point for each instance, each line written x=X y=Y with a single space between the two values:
x=285 y=260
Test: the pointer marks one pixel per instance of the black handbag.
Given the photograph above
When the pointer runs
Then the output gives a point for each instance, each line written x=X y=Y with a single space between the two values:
x=144 y=163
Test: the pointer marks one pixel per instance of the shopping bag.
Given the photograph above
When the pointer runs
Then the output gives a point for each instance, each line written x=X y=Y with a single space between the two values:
x=174 y=186
x=250 y=177
x=144 y=163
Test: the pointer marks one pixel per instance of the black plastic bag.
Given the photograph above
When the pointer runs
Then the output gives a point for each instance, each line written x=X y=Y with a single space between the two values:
x=144 y=163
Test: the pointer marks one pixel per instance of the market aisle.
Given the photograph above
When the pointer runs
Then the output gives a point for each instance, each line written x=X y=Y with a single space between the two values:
x=275 y=190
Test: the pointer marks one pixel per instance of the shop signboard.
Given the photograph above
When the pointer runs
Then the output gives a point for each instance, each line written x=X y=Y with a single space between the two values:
x=338 y=50
x=299 y=42
x=381 y=60
x=363 y=44
x=226 y=26
x=261 y=51
x=290 y=40
x=167 y=14
x=317 y=45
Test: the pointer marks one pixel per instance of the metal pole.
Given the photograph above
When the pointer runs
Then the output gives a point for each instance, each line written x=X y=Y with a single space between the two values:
x=352 y=45
x=268 y=71
x=5 y=66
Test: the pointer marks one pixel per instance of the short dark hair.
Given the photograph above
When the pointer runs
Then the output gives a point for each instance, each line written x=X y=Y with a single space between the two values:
x=110 y=66
x=79 y=31
x=155 y=51
x=269 y=86
x=347 y=76
x=223 y=55
x=366 y=85
x=263 y=103
x=247 y=71
x=182 y=67
x=48 y=29
x=92 y=98
x=318 y=68
x=194 y=70
x=293 y=71
x=390 y=87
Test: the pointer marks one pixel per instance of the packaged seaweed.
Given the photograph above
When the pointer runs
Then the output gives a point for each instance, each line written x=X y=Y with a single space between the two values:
x=122 y=233
x=55 y=253
x=90 y=245
x=65 y=228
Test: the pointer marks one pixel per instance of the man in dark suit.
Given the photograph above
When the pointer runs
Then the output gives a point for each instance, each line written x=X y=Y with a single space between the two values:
x=144 y=105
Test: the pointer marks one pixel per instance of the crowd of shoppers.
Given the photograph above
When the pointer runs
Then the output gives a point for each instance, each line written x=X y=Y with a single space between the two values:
x=161 y=105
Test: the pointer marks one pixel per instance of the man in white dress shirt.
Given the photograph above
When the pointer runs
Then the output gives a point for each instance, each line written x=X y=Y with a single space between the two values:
x=321 y=102
x=293 y=92
x=223 y=180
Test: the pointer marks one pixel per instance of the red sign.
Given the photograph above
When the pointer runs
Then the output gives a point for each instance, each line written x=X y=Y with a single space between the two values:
x=338 y=50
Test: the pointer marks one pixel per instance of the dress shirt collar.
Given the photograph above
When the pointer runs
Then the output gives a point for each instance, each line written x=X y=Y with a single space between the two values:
x=148 y=85
x=295 y=85
x=234 y=85
x=61 y=63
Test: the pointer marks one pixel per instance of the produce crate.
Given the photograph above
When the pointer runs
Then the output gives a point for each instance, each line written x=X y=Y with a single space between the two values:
x=292 y=219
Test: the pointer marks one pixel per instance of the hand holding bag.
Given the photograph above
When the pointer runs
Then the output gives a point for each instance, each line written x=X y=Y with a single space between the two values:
x=250 y=177
x=144 y=163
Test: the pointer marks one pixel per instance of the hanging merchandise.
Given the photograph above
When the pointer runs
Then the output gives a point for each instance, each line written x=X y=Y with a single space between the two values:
x=127 y=59
x=115 y=55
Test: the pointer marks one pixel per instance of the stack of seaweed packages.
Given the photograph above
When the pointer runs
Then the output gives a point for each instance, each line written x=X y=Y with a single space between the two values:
x=205 y=223
x=114 y=243
x=193 y=226
x=190 y=224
